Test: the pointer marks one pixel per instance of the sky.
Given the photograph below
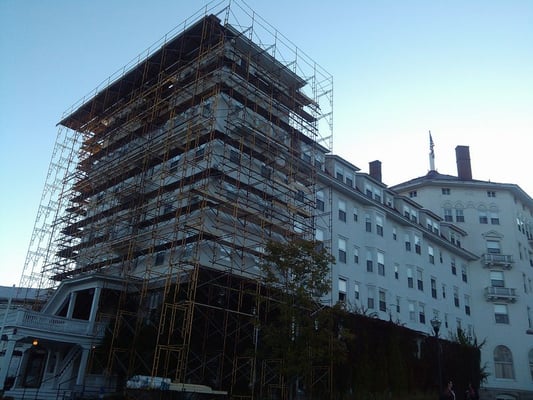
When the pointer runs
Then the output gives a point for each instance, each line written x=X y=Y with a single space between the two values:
x=401 y=68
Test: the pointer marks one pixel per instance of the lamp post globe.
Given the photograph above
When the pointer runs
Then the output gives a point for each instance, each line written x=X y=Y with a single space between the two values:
x=435 y=324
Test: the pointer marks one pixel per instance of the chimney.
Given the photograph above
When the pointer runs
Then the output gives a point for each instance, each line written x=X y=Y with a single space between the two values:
x=462 y=156
x=375 y=170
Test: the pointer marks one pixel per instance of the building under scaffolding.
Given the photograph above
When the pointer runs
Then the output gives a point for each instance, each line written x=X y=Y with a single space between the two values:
x=164 y=188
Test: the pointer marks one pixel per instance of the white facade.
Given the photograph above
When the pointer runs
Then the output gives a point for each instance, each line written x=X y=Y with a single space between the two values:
x=499 y=221
x=393 y=259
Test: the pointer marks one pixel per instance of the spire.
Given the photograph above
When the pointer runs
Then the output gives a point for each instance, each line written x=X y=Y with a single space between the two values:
x=431 y=153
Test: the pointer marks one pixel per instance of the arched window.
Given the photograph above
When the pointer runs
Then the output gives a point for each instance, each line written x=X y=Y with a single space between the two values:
x=503 y=363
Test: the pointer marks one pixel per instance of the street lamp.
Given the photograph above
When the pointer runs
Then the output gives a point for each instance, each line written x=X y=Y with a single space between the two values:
x=435 y=324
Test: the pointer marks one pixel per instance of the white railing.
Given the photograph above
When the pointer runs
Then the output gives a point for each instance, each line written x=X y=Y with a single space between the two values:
x=498 y=259
x=54 y=324
x=501 y=293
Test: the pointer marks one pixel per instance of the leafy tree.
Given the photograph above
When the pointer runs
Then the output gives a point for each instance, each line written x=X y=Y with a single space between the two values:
x=301 y=331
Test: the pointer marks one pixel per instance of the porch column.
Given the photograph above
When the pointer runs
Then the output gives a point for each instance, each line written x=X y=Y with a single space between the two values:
x=83 y=365
x=71 y=304
x=6 y=361
x=94 y=308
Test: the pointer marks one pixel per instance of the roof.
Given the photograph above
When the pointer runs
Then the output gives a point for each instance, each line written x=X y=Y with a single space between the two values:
x=436 y=178
x=179 y=51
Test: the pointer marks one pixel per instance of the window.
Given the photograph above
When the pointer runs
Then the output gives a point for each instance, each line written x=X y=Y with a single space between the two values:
x=342 y=290
x=494 y=218
x=356 y=291
x=382 y=301
x=456 y=296
x=398 y=304
x=377 y=195
x=483 y=219
x=355 y=214
x=381 y=263
x=371 y=296
x=493 y=247
x=342 y=250
x=299 y=196
x=369 y=262
x=407 y=243
x=320 y=200
x=459 y=215
x=431 y=255
x=412 y=193
x=464 y=277
x=467 y=305
x=235 y=156
x=368 y=223
x=342 y=210
x=265 y=171
x=419 y=280
x=445 y=191
x=339 y=173
x=349 y=179
x=174 y=166
x=453 y=266
x=410 y=282
x=356 y=255
x=433 y=288
x=168 y=208
x=421 y=313
x=455 y=239
x=412 y=314
x=496 y=279
x=443 y=291
x=417 y=244
x=491 y=193
x=394 y=235
x=379 y=225
x=396 y=271
x=503 y=363
x=448 y=215
x=160 y=258
x=319 y=235
x=199 y=154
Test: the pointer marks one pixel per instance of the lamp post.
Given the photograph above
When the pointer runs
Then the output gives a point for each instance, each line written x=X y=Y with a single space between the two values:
x=435 y=324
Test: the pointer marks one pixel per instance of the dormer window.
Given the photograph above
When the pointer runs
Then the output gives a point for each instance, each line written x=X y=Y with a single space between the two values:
x=349 y=179
x=339 y=173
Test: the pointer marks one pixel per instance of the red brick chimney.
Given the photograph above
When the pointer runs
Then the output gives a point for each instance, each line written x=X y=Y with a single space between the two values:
x=462 y=156
x=375 y=170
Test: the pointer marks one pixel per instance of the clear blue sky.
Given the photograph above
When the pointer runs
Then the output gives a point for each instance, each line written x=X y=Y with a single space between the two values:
x=462 y=69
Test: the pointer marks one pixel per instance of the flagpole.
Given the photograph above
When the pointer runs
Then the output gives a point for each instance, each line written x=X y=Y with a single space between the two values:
x=431 y=153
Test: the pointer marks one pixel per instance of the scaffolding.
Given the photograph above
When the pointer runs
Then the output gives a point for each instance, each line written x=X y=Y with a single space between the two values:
x=173 y=175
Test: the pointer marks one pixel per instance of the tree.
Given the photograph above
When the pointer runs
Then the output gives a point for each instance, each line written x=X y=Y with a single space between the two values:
x=301 y=331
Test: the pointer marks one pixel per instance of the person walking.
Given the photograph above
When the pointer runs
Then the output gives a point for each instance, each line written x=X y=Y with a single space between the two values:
x=471 y=393
x=448 y=393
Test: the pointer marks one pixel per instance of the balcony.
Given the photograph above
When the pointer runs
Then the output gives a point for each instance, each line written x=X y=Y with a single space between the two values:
x=504 y=261
x=51 y=325
x=495 y=293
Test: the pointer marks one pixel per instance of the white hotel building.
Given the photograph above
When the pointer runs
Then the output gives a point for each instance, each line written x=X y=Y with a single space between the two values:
x=498 y=220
